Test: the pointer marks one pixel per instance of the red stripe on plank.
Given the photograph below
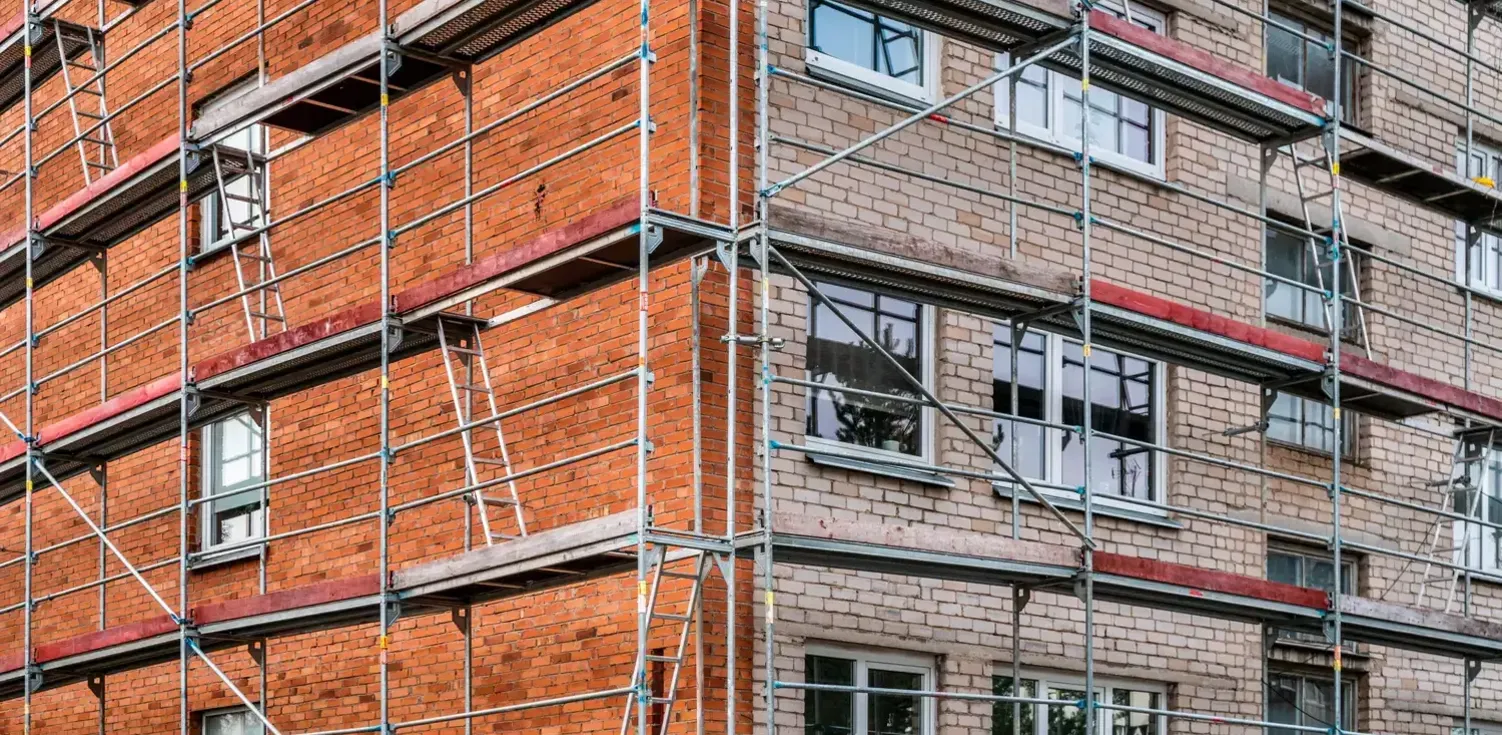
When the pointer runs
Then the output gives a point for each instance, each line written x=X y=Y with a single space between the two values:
x=1209 y=580
x=332 y=590
x=1205 y=62
x=1434 y=390
x=118 y=635
x=109 y=409
x=1189 y=316
x=340 y=321
x=619 y=214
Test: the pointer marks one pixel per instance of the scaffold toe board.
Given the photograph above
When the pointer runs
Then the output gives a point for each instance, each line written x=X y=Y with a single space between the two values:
x=999 y=25
x=1438 y=188
x=143 y=191
x=919 y=551
x=312 y=354
x=544 y=559
x=1192 y=83
x=588 y=253
x=45 y=59
x=913 y=268
x=432 y=40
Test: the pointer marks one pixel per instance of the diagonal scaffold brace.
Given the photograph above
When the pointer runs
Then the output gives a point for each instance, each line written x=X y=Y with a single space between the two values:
x=34 y=457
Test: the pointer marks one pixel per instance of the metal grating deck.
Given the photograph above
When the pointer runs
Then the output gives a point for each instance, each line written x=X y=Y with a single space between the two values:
x=44 y=58
x=139 y=194
x=475 y=30
x=1438 y=188
x=1192 y=83
x=999 y=25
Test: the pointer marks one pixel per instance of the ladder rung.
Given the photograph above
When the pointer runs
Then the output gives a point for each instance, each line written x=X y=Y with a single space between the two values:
x=490 y=461
x=464 y=350
x=86 y=90
x=472 y=388
x=256 y=257
x=90 y=115
x=681 y=575
x=1319 y=195
x=105 y=166
x=242 y=198
x=663 y=700
x=671 y=616
x=503 y=502
x=663 y=659
x=95 y=141
x=272 y=317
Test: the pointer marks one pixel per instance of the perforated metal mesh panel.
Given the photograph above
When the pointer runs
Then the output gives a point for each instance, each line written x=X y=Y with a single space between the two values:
x=492 y=25
x=44 y=58
x=1192 y=93
x=994 y=25
x=144 y=200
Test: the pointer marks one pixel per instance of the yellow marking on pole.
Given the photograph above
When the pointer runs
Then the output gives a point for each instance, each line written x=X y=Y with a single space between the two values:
x=182 y=185
x=385 y=383
x=29 y=283
x=28 y=50
x=1085 y=85
x=1336 y=665
x=641 y=588
x=1336 y=412
x=385 y=99
x=29 y=486
x=1086 y=350
x=1335 y=168
x=384 y=642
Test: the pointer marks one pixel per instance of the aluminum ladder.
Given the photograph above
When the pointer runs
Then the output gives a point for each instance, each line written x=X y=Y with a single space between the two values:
x=1466 y=493
x=1331 y=180
x=243 y=213
x=91 y=128
x=658 y=562
x=463 y=360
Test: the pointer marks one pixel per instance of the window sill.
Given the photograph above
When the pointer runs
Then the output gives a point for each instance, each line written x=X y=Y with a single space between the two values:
x=1146 y=518
x=875 y=467
x=1291 y=644
x=208 y=559
x=835 y=71
x=1311 y=451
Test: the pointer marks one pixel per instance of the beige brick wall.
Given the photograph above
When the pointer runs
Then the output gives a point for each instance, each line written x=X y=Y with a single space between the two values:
x=1207 y=665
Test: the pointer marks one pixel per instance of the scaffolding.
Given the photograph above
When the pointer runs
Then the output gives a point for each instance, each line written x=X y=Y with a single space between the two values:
x=623 y=242
x=1309 y=135
x=222 y=154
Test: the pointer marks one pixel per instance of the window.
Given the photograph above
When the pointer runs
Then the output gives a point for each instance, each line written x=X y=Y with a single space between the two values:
x=1477 y=728
x=1123 y=131
x=1479 y=263
x=1304 y=62
x=1312 y=569
x=245 y=208
x=1289 y=256
x=1070 y=720
x=1477 y=546
x=234 y=721
x=838 y=357
x=1126 y=393
x=871 y=52
x=1308 y=701
x=850 y=713
x=233 y=460
x=1308 y=424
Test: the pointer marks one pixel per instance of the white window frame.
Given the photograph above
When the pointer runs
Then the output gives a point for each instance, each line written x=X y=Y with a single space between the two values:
x=1104 y=685
x=1349 y=77
x=1483 y=548
x=1348 y=688
x=1478 y=727
x=205 y=716
x=843 y=72
x=1489 y=281
x=864 y=659
x=1053 y=413
x=210 y=463
x=210 y=208
x=927 y=324
x=1053 y=132
x=1350 y=437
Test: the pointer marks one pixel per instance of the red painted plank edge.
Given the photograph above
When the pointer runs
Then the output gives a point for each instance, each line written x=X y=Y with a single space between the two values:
x=118 y=635
x=276 y=344
x=54 y=214
x=84 y=419
x=1196 y=578
x=1205 y=62
x=319 y=593
x=620 y=213
x=1430 y=388
x=1189 y=316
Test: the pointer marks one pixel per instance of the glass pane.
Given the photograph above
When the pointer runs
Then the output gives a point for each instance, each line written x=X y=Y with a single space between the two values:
x=1121 y=391
x=1001 y=712
x=1285 y=568
x=844 y=32
x=1285 y=419
x=900 y=52
x=1322 y=575
x=830 y=713
x=1285 y=52
x=1285 y=258
x=892 y=714
x=237 y=453
x=1065 y=719
x=1319 y=69
x=1133 y=723
x=232 y=723
x=1031 y=389
x=1319 y=702
x=838 y=356
x=1283 y=703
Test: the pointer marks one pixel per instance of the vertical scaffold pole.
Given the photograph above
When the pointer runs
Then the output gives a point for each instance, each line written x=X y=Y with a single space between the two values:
x=1337 y=325
x=30 y=357
x=764 y=385
x=185 y=653
x=383 y=642
x=643 y=377
x=1086 y=428
x=732 y=354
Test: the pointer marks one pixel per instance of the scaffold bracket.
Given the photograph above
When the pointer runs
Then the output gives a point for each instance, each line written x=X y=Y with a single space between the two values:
x=33 y=678
x=1472 y=669
x=96 y=685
